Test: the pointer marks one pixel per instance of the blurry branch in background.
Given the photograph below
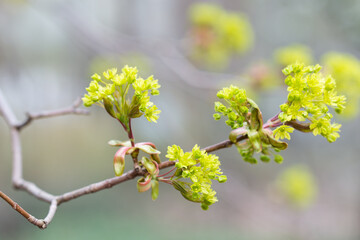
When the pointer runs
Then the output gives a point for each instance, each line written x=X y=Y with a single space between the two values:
x=20 y=183
x=167 y=52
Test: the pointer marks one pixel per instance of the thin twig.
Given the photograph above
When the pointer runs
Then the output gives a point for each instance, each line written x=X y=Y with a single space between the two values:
x=37 y=222
x=74 y=109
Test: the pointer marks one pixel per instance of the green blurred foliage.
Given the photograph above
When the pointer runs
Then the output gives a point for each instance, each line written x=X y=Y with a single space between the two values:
x=217 y=34
x=345 y=68
x=293 y=53
x=297 y=185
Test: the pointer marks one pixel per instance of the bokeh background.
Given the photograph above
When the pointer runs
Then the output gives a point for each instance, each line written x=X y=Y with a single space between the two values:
x=48 y=50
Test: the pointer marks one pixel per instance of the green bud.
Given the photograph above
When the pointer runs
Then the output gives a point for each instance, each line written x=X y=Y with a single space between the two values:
x=288 y=80
x=204 y=206
x=244 y=109
x=232 y=116
x=222 y=179
x=220 y=94
x=217 y=116
x=284 y=107
x=219 y=107
x=109 y=107
x=96 y=77
x=278 y=158
x=265 y=158
x=251 y=160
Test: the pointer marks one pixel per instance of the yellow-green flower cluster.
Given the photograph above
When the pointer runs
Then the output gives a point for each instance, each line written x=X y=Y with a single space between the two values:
x=201 y=168
x=292 y=54
x=237 y=110
x=345 y=68
x=298 y=186
x=112 y=94
x=310 y=96
x=219 y=33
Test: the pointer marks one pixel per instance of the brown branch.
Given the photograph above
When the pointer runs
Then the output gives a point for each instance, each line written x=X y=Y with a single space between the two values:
x=108 y=183
x=95 y=187
x=74 y=109
x=37 y=222
x=55 y=201
x=17 y=172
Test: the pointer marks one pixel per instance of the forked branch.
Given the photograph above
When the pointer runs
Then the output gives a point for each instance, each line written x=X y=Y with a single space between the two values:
x=20 y=183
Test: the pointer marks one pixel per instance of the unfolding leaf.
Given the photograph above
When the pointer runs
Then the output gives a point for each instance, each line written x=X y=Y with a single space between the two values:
x=119 y=143
x=149 y=165
x=144 y=184
x=148 y=149
x=155 y=157
x=154 y=189
x=256 y=120
x=119 y=160
x=275 y=143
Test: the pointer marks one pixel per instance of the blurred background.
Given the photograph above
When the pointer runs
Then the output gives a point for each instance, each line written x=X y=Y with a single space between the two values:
x=49 y=50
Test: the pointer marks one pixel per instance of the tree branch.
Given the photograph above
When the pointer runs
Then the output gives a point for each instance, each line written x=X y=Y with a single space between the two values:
x=25 y=214
x=55 y=201
x=60 y=112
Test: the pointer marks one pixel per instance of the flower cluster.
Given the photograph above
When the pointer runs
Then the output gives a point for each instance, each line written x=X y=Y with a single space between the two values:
x=244 y=116
x=310 y=96
x=297 y=185
x=345 y=68
x=218 y=33
x=201 y=168
x=111 y=93
x=237 y=110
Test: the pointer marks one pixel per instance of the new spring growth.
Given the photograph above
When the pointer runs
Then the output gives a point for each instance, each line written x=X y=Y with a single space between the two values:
x=245 y=118
x=310 y=96
x=306 y=109
x=126 y=148
x=112 y=93
x=201 y=168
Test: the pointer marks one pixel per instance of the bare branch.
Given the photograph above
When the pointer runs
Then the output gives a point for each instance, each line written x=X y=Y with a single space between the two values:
x=74 y=109
x=95 y=187
x=17 y=172
x=37 y=222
